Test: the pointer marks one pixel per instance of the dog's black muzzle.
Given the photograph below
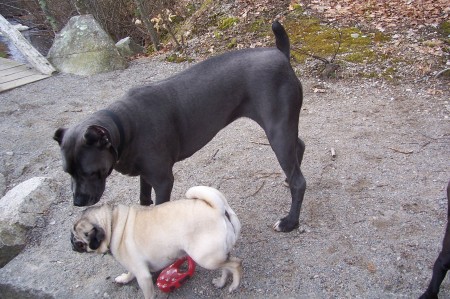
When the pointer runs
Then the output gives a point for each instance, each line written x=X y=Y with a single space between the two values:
x=77 y=246
x=83 y=200
x=87 y=191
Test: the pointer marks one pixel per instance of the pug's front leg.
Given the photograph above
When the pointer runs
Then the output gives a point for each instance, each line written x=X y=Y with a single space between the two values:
x=124 y=278
x=146 y=285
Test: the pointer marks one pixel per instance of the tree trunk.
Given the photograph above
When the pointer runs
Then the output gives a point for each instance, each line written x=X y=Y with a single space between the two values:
x=82 y=7
x=148 y=24
x=50 y=18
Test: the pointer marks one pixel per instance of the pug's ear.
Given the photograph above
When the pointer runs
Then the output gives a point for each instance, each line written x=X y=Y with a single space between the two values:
x=59 y=135
x=96 y=236
x=97 y=136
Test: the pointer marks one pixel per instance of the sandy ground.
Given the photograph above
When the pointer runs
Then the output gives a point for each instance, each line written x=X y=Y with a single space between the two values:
x=371 y=223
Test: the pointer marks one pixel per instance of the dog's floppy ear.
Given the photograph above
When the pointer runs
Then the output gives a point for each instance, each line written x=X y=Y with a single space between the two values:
x=98 y=136
x=96 y=236
x=59 y=134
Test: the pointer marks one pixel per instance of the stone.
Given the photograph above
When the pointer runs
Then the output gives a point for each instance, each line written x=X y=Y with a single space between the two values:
x=20 y=210
x=127 y=47
x=82 y=47
x=2 y=184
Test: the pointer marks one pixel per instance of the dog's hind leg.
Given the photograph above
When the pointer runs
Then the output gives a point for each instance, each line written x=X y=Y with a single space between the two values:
x=289 y=152
x=219 y=282
x=300 y=151
x=233 y=266
x=442 y=263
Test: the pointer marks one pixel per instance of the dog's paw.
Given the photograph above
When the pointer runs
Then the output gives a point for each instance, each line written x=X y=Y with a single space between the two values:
x=233 y=287
x=124 y=278
x=283 y=225
x=219 y=282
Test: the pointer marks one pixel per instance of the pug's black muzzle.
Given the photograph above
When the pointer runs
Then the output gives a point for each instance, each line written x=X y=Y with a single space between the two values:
x=77 y=245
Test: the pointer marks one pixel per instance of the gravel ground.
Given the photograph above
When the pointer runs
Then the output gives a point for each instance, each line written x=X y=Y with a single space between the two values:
x=371 y=224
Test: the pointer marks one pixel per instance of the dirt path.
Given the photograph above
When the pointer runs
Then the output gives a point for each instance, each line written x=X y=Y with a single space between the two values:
x=371 y=224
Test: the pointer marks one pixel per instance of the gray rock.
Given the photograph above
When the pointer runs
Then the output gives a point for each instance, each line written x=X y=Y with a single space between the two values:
x=2 y=184
x=127 y=47
x=20 y=210
x=82 y=47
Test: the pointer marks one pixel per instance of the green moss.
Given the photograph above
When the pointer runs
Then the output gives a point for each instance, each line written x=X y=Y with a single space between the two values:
x=298 y=8
x=380 y=37
x=366 y=56
x=370 y=75
x=190 y=9
x=3 y=54
x=309 y=35
x=218 y=34
x=258 y=26
x=225 y=23
x=390 y=71
x=205 y=5
x=176 y=58
x=232 y=43
x=444 y=28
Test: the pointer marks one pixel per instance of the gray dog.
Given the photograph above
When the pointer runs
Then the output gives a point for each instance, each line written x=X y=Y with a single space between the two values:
x=154 y=126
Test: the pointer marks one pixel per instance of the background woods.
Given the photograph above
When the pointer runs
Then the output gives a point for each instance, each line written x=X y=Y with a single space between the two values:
x=120 y=18
x=388 y=39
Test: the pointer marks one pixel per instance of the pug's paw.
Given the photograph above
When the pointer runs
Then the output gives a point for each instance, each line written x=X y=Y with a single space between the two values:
x=124 y=278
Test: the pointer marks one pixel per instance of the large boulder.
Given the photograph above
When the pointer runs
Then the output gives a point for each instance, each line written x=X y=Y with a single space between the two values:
x=82 y=47
x=127 y=47
x=21 y=209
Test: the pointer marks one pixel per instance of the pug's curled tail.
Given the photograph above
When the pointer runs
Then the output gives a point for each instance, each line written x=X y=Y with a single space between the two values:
x=217 y=201
x=281 y=39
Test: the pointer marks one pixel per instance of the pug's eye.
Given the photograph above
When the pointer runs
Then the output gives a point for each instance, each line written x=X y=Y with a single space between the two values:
x=86 y=234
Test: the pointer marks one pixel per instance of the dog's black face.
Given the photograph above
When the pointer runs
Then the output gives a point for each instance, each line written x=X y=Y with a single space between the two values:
x=89 y=159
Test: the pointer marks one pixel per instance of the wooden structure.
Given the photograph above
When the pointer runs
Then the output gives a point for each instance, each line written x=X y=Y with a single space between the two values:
x=12 y=73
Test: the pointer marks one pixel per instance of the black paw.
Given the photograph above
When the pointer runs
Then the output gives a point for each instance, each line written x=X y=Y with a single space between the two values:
x=146 y=201
x=285 y=225
x=427 y=295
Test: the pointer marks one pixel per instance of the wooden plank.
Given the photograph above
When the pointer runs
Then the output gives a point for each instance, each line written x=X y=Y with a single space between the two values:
x=35 y=58
x=14 y=74
x=17 y=75
x=15 y=70
x=22 y=81
x=7 y=63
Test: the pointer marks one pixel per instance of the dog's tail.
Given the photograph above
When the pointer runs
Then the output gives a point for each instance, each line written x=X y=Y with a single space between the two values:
x=281 y=39
x=217 y=201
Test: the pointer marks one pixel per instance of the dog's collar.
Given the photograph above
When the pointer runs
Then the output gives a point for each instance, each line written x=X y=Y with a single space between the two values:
x=119 y=126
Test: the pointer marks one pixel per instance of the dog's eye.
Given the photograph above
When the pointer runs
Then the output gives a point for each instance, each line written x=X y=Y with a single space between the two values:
x=86 y=234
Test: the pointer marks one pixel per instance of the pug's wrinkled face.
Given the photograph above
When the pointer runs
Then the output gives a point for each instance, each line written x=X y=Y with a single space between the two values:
x=88 y=237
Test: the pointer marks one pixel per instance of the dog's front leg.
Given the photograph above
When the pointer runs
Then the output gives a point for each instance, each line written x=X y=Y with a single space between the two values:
x=145 y=283
x=163 y=188
x=146 y=193
x=124 y=278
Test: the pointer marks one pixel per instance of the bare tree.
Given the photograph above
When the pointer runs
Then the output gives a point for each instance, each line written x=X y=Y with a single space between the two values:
x=48 y=15
x=82 y=7
x=148 y=24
